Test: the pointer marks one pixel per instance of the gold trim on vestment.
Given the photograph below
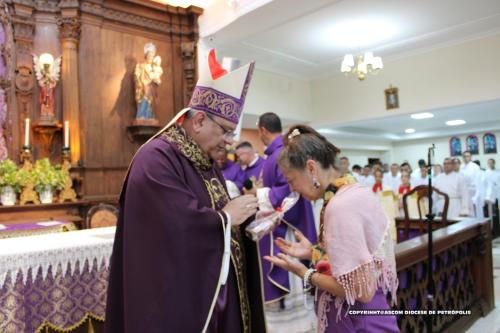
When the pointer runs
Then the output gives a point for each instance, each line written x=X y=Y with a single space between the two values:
x=219 y=198
x=88 y=316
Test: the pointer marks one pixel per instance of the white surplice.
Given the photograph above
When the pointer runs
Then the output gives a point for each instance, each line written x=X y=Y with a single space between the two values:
x=454 y=185
x=392 y=182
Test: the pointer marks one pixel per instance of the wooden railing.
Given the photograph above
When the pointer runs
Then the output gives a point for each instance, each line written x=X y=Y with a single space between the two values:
x=462 y=272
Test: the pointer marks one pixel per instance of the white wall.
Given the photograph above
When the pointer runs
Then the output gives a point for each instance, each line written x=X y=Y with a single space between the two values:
x=456 y=75
x=412 y=151
x=287 y=97
x=360 y=157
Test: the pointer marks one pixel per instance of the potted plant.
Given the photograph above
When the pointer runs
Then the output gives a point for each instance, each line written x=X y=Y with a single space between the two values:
x=10 y=182
x=47 y=179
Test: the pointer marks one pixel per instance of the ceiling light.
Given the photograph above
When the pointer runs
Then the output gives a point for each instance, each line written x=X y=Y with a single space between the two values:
x=456 y=122
x=365 y=64
x=409 y=130
x=423 y=115
x=361 y=32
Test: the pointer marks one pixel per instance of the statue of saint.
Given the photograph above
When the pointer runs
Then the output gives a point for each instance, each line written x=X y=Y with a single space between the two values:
x=147 y=78
x=47 y=74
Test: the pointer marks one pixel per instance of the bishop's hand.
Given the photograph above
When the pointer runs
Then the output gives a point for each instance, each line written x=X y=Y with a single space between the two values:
x=300 y=249
x=241 y=208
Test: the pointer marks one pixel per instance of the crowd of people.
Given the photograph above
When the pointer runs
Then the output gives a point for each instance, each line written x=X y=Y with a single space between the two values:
x=469 y=187
x=181 y=261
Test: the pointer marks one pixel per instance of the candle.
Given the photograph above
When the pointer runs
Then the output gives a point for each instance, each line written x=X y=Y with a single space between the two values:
x=66 y=134
x=27 y=132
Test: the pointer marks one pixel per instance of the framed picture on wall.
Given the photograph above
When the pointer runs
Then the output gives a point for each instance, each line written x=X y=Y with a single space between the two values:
x=472 y=144
x=391 y=98
x=455 y=146
x=489 y=143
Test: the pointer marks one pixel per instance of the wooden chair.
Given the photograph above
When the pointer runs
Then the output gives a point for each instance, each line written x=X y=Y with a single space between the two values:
x=422 y=204
x=102 y=215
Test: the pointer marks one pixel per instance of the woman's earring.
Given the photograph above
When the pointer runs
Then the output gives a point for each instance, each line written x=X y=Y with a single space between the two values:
x=316 y=184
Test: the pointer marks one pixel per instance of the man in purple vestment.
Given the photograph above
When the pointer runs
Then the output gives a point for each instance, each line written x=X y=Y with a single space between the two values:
x=250 y=174
x=230 y=171
x=180 y=262
x=274 y=189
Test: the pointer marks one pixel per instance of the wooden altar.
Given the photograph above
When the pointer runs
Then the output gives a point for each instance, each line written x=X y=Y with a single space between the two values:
x=100 y=42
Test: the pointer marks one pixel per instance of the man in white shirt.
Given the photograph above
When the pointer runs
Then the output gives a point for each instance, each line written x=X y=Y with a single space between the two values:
x=392 y=179
x=356 y=172
x=344 y=166
x=367 y=177
x=472 y=174
x=492 y=177
x=420 y=178
x=453 y=184
x=415 y=174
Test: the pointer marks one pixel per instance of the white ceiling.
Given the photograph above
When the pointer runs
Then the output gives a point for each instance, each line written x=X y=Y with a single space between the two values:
x=483 y=116
x=294 y=36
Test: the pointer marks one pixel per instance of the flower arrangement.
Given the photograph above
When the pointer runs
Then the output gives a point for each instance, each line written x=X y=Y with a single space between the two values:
x=9 y=176
x=46 y=177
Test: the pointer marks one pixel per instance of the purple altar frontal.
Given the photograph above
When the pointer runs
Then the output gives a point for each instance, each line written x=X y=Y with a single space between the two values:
x=34 y=228
x=54 y=280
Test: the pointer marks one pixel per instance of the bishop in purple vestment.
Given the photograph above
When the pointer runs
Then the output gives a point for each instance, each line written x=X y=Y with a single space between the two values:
x=180 y=262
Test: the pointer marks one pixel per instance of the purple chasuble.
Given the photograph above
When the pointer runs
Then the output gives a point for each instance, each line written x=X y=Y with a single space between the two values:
x=253 y=172
x=168 y=248
x=231 y=171
x=276 y=283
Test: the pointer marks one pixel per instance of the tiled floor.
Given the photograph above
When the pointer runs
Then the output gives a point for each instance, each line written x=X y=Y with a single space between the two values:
x=491 y=323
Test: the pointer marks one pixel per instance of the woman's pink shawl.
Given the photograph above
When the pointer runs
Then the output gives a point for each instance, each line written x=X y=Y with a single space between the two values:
x=359 y=246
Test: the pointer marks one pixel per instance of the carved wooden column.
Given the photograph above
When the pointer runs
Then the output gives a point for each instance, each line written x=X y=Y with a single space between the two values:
x=23 y=30
x=69 y=28
x=188 y=51
x=5 y=81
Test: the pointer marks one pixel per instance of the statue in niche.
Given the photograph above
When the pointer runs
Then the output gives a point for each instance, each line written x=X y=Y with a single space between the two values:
x=147 y=78
x=47 y=74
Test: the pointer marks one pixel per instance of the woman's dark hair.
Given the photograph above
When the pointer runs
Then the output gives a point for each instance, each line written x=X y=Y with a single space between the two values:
x=303 y=143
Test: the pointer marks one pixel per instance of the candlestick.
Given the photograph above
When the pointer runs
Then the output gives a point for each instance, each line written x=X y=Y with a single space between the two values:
x=66 y=134
x=27 y=132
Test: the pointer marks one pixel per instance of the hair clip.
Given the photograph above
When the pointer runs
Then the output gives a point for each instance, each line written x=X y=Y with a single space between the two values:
x=294 y=133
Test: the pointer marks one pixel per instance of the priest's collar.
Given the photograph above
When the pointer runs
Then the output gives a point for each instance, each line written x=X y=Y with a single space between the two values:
x=188 y=147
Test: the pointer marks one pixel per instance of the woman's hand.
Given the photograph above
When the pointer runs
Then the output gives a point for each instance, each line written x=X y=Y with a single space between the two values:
x=300 y=249
x=291 y=265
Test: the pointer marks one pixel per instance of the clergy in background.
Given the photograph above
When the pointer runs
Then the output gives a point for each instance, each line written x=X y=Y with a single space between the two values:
x=492 y=176
x=180 y=262
x=250 y=173
x=453 y=184
x=230 y=171
x=472 y=174
x=366 y=177
x=285 y=311
x=392 y=179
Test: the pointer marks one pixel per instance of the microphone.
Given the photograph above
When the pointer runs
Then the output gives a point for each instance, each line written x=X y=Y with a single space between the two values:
x=248 y=184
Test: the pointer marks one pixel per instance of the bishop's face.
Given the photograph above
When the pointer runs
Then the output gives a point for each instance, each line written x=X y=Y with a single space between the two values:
x=218 y=133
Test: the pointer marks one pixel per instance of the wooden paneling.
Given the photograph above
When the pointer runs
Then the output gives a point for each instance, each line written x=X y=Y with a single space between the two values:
x=110 y=44
x=462 y=273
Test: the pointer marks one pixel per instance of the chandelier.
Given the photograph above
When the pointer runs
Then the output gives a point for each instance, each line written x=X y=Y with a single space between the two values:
x=364 y=64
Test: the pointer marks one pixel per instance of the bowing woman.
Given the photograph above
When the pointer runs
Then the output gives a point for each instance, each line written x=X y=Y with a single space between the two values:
x=353 y=263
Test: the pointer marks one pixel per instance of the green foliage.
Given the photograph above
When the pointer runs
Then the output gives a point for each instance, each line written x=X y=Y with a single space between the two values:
x=9 y=175
x=45 y=176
